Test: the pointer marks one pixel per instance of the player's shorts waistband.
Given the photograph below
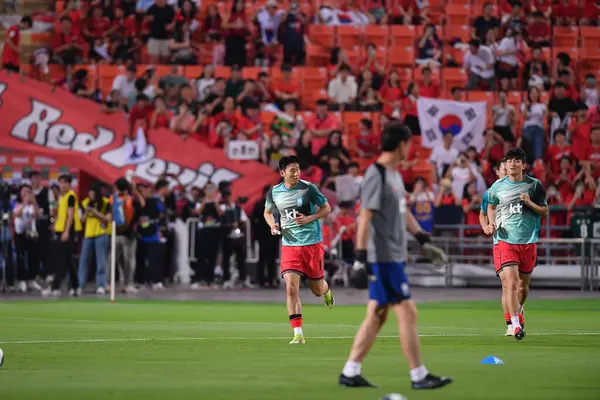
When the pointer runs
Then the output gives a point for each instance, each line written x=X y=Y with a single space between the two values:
x=301 y=245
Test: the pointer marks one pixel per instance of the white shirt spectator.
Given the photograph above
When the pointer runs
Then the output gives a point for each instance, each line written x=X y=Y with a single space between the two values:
x=269 y=25
x=335 y=17
x=342 y=91
x=122 y=85
x=535 y=115
x=440 y=156
x=478 y=63
x=347 y=187
x=203 y=86
x=500 y=114
x=508 y=45
x=26 y=220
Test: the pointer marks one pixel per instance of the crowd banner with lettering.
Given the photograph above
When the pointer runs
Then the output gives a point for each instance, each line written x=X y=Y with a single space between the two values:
x=466 y=121
x=36 y=119
x=243 y=150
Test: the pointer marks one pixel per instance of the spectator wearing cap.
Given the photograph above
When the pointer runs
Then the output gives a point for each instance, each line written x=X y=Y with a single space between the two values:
x=161 y=17
x=286 y=88
x=479 y=65
x=321 y=125
x=342 y=90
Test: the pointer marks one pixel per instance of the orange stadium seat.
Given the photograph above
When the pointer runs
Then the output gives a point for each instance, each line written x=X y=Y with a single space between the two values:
x=462 y=32
x=402 y=35
x=452 y=77
x=590 y=36
x=349 y=36
x=377 y=34
x=458 y=14
x=401 y=56
x=322 y=35
x=566 y=36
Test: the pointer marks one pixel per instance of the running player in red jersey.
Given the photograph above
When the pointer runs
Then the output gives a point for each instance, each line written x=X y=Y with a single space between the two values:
x=11 y=54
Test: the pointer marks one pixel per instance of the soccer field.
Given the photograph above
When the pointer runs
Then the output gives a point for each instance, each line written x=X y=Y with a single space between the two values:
x=191 y=350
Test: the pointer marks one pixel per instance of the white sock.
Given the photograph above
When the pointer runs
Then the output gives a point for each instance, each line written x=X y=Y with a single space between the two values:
x=515 y=321
x=521 y=309
x=298 y=331
x=418 y=374
x=352 y=369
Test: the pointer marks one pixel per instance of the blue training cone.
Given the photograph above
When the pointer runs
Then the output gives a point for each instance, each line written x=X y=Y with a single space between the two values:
x=492 y=360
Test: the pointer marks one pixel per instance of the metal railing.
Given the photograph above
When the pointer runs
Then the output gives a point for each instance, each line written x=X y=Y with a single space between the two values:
x=192 y=228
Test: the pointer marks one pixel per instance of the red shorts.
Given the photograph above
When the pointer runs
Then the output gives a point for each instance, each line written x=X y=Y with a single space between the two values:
x=524 y=255
x=307 y=261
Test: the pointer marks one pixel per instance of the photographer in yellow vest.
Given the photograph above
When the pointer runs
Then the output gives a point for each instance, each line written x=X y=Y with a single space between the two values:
x=67 y=227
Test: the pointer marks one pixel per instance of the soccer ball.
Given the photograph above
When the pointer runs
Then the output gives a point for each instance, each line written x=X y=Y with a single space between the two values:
x=1 y=357
x=394 y=396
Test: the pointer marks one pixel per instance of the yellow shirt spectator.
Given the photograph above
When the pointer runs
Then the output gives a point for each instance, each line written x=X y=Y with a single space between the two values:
x=94 y=226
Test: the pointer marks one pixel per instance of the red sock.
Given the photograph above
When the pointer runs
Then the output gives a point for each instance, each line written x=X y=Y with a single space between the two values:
x=296 y=320
x=507 y=318
x=521 y=319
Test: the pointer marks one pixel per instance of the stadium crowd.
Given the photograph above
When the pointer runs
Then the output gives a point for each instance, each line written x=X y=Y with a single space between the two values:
x=319 y=79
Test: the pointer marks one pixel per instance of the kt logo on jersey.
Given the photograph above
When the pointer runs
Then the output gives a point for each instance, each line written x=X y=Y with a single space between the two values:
x=516 y=208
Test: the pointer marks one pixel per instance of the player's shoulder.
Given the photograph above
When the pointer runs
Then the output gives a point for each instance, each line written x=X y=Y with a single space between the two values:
x=533 y=181
x=304 y=185
x=498 y=184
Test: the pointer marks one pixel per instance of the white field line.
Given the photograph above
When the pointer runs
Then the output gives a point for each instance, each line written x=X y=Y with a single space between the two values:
x=175 y=339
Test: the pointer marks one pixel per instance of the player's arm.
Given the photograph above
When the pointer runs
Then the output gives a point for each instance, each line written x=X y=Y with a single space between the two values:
x=320 y=201
x=268 y=213
x=538 y=204
x=483 y=217
x=491 y=211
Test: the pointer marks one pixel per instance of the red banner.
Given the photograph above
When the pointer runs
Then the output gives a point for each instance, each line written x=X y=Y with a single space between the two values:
x=36 y=119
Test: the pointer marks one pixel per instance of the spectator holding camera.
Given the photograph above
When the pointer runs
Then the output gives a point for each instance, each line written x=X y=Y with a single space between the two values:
x=26 y=238
x=97 y=217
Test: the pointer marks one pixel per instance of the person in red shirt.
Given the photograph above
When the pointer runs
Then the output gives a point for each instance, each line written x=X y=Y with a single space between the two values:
x=321 y=124
x=286 y=88
x=11 y=54
x=566 y=13
x=471 y=204
x=564 y=177
x=429 y=88
x=366 y=142
x=557 y=151
x=161 y=117
x=580 y=133
x=409 y=108
x=348 y=221
x=539 y=31
x=590 y=14
x=570 y=91
x=402 y=12
x=371 y=63
x=584 y=194
x=141 y=111
x=97 y=26
x=390 y=95
x=68 y=47
x=224 y=125
x=249 y=125
x=593 y=115
x=593 y=151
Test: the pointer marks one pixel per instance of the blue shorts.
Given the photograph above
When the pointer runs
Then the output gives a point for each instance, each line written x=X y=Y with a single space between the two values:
x=388 y=283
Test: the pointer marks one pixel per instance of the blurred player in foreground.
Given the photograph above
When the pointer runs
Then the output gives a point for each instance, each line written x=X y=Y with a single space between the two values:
x=516 y=205
x=500 y=171
x=302 y=252
x=381 y=253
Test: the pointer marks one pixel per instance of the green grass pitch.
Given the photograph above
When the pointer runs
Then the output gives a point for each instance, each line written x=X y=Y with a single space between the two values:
x=189 y=350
